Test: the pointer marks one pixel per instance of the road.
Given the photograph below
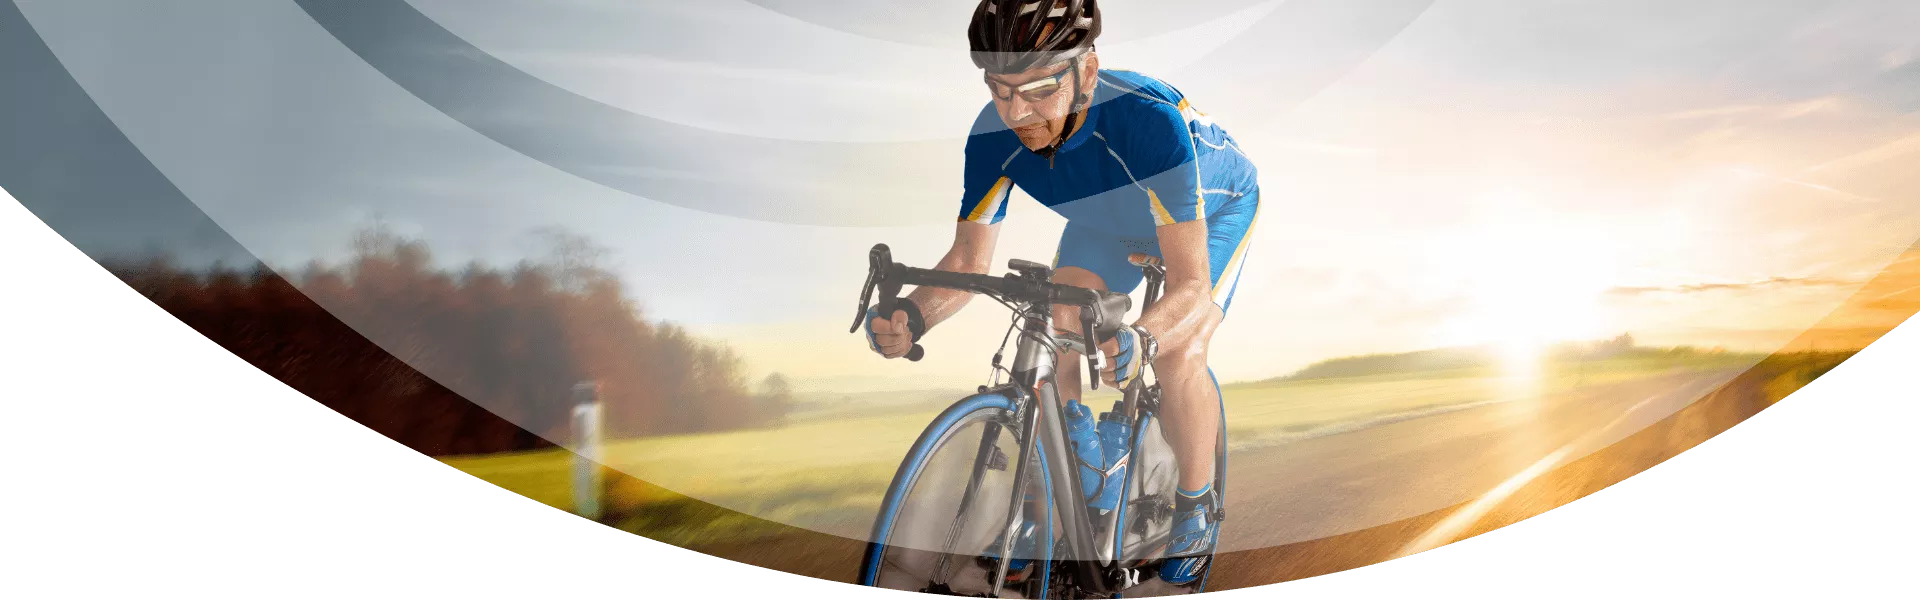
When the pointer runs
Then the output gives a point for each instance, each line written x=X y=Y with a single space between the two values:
x=1342 y=501
x=1330 y=485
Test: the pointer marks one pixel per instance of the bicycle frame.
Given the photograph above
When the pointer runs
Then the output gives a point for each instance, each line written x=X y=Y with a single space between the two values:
x=1039 y=413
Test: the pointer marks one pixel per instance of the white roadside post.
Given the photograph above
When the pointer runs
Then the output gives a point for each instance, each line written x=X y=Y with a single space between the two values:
x=586 y=450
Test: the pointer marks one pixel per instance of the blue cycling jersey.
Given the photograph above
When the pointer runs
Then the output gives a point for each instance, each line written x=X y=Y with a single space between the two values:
x=1144 y=158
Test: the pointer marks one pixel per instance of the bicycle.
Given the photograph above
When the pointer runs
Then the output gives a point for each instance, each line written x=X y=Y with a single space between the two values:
x=928 y=540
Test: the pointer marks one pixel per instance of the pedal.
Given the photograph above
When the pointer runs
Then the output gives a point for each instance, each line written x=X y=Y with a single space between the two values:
x=1150 y=509
x=1125 y=577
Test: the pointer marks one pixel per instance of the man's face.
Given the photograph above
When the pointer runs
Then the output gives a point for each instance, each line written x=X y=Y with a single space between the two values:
x=1035 y=103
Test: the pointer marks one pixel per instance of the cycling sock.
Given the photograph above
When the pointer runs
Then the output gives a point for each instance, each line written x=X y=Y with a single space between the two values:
x=1186 y=501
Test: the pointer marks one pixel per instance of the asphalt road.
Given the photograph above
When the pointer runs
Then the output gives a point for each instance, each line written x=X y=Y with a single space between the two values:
x=1342 y=501
x=1337 y=484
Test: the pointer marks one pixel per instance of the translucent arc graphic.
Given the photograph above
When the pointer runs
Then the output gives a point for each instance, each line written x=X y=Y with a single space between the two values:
x=938 y=22
x=796 y=80
x=745 y=176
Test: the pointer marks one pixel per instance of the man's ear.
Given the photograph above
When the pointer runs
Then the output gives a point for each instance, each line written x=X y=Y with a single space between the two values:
x=1089 y=78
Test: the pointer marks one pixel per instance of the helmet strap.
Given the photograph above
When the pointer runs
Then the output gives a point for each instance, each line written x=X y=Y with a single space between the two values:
x=1074 y=119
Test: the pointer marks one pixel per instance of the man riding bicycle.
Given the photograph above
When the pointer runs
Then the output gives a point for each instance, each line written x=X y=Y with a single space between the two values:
x=1133 y=167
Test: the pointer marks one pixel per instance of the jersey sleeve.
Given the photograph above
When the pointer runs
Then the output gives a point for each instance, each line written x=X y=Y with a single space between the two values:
x=1162 y=157
x=983 y=197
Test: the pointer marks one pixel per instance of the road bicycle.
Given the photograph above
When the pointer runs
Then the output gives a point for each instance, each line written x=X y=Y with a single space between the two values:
x=999 y=466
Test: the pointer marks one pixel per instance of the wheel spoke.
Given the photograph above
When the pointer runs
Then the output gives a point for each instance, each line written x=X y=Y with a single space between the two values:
x=982 y=458
x=940 y=522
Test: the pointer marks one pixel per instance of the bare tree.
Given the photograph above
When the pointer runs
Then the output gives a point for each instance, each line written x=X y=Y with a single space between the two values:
x=576 y=261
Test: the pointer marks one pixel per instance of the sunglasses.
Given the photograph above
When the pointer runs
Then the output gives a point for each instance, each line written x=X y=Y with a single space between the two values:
x=1034 y=92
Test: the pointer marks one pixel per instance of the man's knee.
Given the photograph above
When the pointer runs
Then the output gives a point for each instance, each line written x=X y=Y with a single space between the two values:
x=1188 y=357
x=1068 y=317
x=1181 y=359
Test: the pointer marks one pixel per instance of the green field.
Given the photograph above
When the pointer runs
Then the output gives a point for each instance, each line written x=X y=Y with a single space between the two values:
x=826 y=469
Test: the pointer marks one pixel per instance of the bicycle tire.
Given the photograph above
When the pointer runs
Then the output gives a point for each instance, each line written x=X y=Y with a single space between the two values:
x=1219 y=474
x=1134 y=473
x=970 y=410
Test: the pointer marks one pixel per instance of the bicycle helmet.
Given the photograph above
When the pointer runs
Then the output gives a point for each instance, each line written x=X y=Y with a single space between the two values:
x=1013 y=36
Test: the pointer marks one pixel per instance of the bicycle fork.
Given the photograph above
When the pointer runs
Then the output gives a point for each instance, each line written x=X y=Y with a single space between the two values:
x=1016 y=503
x=1033 y=370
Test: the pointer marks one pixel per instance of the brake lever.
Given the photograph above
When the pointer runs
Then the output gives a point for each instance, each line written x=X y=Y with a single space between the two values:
x=879 y=263
x=866 y=300
x=878 y=259
x=1096 y=362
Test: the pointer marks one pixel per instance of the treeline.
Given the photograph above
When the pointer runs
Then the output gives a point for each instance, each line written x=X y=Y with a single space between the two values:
x=476 y=361
x=1465 y=358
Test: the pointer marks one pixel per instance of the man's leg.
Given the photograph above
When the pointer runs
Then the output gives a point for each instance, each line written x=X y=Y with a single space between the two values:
x=1092 y=260
x=1190 y=406
x=1191 y=403
x=1068 y=318
x=1190 y=410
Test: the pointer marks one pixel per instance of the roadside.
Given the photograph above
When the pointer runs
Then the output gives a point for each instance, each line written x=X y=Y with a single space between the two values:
x=812 y=486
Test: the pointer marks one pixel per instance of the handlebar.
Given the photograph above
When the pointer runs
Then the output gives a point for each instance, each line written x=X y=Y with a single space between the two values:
x=1101 y=312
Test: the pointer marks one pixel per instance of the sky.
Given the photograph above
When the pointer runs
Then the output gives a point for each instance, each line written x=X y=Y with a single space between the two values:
x=1433 y=173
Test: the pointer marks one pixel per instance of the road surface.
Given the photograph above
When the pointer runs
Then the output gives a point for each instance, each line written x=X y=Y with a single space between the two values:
x=1337 y=502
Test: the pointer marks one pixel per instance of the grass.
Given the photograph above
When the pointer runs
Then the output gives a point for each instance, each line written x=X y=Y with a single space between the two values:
x=827 y=468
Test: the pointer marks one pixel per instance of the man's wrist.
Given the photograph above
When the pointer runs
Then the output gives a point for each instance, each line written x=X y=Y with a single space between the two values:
x=1147 y=346
x=916 y=321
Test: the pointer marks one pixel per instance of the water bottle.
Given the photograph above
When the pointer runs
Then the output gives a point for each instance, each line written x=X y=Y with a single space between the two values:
x=1116 y=438
x=1082 y=432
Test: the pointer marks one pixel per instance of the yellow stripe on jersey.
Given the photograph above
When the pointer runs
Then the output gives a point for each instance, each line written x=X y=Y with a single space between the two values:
x=1160 y=215
x=985 y=208
x=1189 y=114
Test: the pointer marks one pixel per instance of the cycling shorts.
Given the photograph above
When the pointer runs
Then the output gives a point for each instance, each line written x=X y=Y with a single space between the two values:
x=1228 y=234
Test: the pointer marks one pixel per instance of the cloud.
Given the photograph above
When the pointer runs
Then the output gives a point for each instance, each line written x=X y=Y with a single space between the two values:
x=1898 y=148
x=1763 y=111
x=1897 y=58
x=1301 y=145
x=1899 y=300
x=1771 y=282
x=1809 y=185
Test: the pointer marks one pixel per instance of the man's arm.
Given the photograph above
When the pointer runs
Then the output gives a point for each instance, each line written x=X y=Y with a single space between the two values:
x=1160 y=147
x=983 y=203
x=1185 y=312
x=972 y=252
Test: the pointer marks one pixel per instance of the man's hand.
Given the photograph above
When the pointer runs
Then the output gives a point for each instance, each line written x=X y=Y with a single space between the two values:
x=890 y=338
x=1123 y=359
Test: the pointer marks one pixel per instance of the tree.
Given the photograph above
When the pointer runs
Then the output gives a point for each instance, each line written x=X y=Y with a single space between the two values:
x=576 y=262
x=776 y=386
x=776 y=398
x=465 y=359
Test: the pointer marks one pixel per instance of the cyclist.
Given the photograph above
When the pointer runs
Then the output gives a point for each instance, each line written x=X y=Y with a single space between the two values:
x=1133 y=167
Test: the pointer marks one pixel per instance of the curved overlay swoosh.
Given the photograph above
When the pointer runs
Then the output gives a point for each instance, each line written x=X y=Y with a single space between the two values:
x=729 y=174
x=942 y=25
x=796 y=182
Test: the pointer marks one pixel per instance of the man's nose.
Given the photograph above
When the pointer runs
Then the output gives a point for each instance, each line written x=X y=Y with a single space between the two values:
x=1018 y=111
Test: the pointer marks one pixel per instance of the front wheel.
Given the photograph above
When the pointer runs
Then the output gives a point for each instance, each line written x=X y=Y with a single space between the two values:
x=947 y=507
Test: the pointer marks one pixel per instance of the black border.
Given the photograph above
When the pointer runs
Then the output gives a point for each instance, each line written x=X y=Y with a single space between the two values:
x=166 y=467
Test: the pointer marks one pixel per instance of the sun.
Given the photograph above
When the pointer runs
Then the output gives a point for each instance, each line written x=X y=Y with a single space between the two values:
x=1531 y=280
